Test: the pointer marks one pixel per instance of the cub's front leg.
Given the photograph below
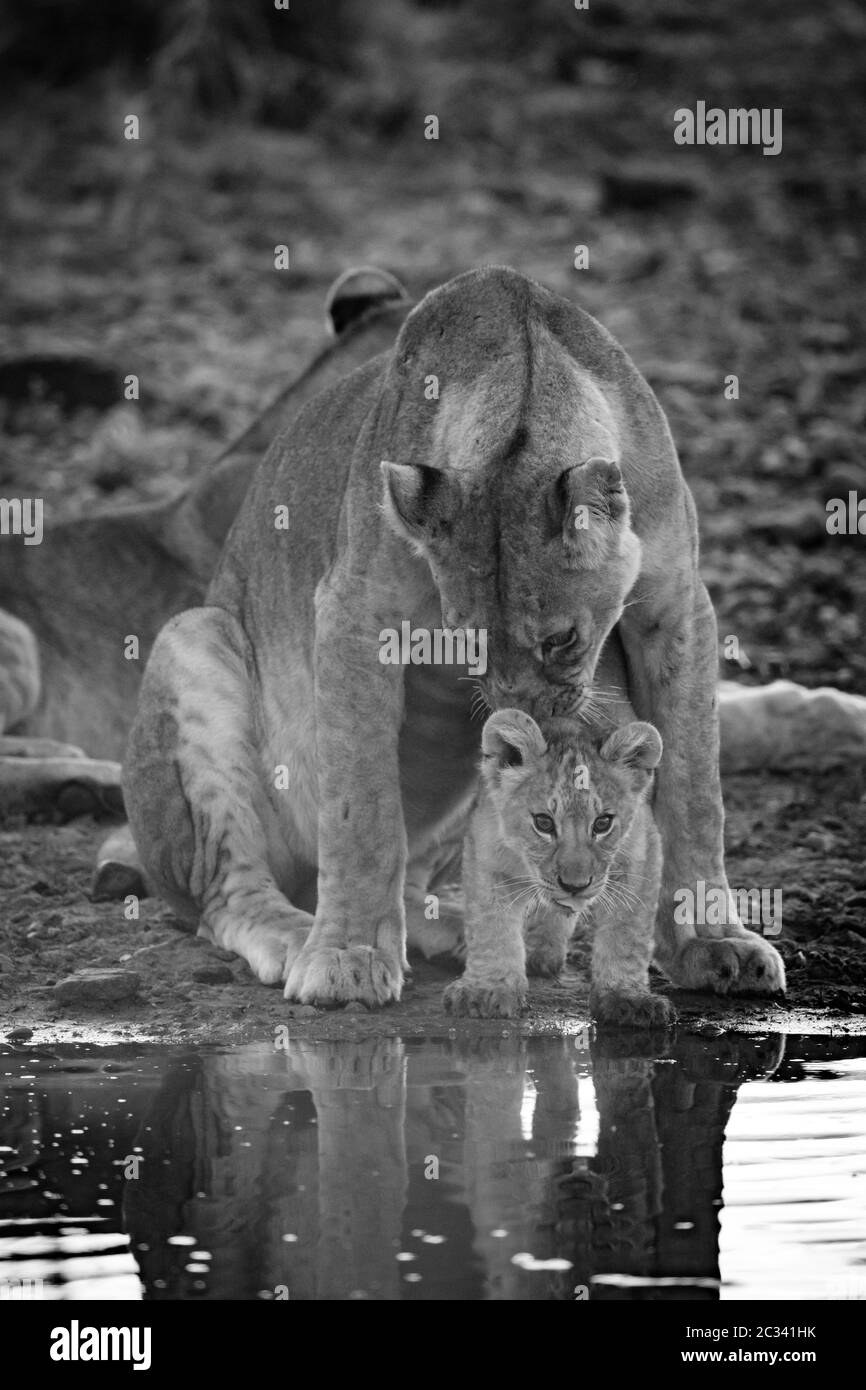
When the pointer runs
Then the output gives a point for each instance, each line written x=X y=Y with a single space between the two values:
x=356 y=947
x=623 y=941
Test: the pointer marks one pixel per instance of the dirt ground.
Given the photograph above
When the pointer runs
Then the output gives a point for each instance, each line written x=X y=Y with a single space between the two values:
x=785 y=831
x=158 y=259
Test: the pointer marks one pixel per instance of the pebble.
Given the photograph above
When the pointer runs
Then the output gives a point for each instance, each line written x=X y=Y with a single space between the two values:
x=113 y=881
x=97 y=987
x=815 y=840
x=213 y=975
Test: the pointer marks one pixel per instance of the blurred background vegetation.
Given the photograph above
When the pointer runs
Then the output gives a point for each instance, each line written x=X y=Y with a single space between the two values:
x=306 y=127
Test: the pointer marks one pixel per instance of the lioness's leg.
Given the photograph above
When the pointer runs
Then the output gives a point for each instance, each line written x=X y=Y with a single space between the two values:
x=357 y=946
x=623 y=941
x=669 y=634
x=197 y=797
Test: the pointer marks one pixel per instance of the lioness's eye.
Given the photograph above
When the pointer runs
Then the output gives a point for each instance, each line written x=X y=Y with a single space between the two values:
x=560 y=641
x=601 y=825
x=545 y=825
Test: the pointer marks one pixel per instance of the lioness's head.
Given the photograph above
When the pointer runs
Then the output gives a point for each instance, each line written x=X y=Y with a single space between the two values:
x=509 y=483
x=565 y=799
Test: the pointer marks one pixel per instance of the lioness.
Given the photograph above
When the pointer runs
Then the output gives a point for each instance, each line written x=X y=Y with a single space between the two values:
x=561 y=820
x=504 y=468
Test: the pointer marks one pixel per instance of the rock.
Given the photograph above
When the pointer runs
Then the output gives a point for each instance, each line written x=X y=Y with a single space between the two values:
x=355 y=1007
x=97 y=987
x=119 y=870
x=6 y=965
x=19 y=1035
x=213 y=974
x=114 y=880
x=305 y=1011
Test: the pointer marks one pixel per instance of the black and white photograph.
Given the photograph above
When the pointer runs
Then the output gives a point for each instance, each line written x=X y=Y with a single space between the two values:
x=432 y=663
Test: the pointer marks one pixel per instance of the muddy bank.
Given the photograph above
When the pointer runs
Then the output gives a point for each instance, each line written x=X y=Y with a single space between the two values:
x=801 y=835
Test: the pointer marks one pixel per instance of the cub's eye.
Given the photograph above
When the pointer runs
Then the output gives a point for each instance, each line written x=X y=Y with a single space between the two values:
x=601 y=825
x=560 y=641
x=545 y=825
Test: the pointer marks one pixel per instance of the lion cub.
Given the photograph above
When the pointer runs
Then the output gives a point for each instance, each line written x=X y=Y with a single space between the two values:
x=561 y=830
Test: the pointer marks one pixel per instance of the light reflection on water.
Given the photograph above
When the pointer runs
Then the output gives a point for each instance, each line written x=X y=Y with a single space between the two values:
x=503 y=1168
x=795 y=1185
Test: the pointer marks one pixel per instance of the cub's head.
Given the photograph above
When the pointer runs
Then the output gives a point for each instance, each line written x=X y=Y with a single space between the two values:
x=565 y=798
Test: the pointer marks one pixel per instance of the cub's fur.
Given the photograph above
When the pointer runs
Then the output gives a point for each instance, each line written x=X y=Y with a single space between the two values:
x=562 y=820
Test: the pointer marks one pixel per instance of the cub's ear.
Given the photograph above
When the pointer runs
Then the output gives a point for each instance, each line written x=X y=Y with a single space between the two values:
x=588 y=500
x=510 y=738
x=418 y=499
x=358 y=290
x=635 y=745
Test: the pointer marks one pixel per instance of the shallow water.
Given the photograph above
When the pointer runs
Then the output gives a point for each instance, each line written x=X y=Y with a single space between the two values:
x=504 y=1168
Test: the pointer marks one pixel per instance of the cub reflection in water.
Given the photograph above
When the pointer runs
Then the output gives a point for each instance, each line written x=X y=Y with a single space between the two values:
x=453 y=1170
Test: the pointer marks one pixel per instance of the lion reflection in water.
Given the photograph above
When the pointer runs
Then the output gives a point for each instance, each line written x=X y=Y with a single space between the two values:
x=387 y=1169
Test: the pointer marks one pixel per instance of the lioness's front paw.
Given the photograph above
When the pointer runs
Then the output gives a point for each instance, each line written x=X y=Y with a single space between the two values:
x=486 y=998
x=329 y=976
x=619 y=1009
x=729 y=965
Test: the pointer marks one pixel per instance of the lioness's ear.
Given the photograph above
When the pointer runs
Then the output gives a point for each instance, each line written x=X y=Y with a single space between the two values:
x=416 y=498
x=358 y=290
x=636 y=745
x=588 y=499
x=510 y=737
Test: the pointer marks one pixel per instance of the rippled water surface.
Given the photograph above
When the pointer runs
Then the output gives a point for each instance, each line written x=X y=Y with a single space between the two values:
x=436 y=1169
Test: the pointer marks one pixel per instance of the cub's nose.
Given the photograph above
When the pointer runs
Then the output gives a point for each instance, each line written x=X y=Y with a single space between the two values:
x=573 y=887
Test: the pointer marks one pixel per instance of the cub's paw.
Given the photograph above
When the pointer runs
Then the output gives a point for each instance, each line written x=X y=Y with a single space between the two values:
x=545 y=958
x=729 y=965
x=618 y=1009
x=486 y=998
x=329 y=976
